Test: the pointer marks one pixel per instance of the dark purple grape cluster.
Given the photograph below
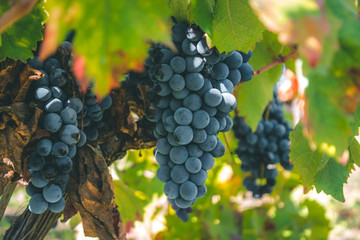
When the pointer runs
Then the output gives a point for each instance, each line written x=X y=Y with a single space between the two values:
x=51 y=162
x=261 y=150
x=190 y=99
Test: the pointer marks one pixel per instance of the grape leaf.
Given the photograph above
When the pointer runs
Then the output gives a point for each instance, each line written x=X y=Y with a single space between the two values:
x=331 y=178
x=253 y=96
x=307 y=161
x=201 y=12
x=235 y=26
x=354 y=146
x=320 y=225
x=129 y=204
x=20 y=39
x=325 y=119
x=114 y=36
x=179 y=9
x=300 y=22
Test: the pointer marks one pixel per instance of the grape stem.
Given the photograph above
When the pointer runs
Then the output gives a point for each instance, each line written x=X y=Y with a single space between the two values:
x=17 y=11
x=280 y=59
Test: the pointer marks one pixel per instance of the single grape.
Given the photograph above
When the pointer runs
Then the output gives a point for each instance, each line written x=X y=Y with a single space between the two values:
x=163 y=173
x=188 y=190
x=209 y=144
x=52 y=193
x=162 y=159
x=213 y=127
x=36 y=63
x=183 y=116
x=213 y=97
x=37 y=180
x=234 y=76
x=192 y=102
x=247 y=72
x=183 y=135
x=51 y=64
x=182 y=203
x=194 y=150
x=207 y=161
x=60 y=149
x=171 y=189
x=58 y=77
x=54 y=106
x=201 y=191
x=163 y=146
x=179 y=31
x=203 y=48
x=35 y=162
x=58 y=206
x=201 y=119
x=52 y=122
x=194 y=81
x=221 y=71
x=64 y=165
x=179 y=174
x=31 y=190
x=68 y=115
x=178 y=64
x=106 y=103
x=38 y=204
x=234 y=60
x=43 y=94
x=170 y=124
x=181 y=94
x=69 y=134
x=179 y=154
x=194 y=64
x=200 y=135
x=188 y=47
x=44 y=147
x=75 y=103
x=193 y=164
x=219 y=150
x=199 y=177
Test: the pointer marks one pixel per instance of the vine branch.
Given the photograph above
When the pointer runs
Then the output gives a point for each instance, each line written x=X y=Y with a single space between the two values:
x=5 y=198
x=17 y=11
x=277 y=61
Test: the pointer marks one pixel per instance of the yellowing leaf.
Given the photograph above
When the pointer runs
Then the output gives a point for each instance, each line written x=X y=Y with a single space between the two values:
x=113 y=36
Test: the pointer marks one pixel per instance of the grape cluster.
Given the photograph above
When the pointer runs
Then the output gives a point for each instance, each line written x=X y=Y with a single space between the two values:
x=63 y=116
x=190 y=99
x=261 y=150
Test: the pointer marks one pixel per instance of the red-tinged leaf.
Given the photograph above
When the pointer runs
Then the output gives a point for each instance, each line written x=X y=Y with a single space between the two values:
x=300 y=22
x=80 y=73
x=289 y=88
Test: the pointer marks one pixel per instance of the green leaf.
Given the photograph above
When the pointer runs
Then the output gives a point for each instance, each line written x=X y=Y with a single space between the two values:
x=20 y=39
x=354 y=146
x=317 y=220
x=326 y=121
x=129 y=201
x=331 y=178
x=253 y=96
x=225 y=227
x=202 y=12
x=112 y=35
x=307 y=161
x=236 y=27
x=179 y=9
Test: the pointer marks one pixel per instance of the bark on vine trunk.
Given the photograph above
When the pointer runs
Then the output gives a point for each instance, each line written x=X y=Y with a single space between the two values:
x=30 y=226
